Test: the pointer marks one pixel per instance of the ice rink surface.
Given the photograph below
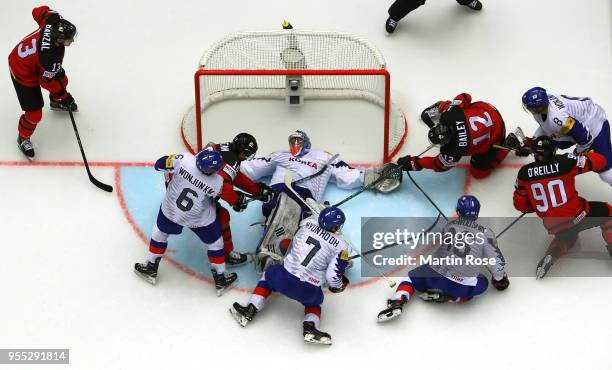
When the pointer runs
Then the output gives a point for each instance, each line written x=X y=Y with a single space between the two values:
x=69 y=248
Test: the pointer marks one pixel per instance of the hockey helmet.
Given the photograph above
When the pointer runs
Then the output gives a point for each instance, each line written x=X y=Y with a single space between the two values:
x=245 y=144
x=440 y=134
x=209 y=161
x=468 y=206
x=63 y=30
x=543 y=148
x=331 y=219
x=535 y=99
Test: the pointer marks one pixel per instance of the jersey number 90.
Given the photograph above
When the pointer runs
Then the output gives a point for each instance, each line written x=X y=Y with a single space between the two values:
x=547 y=197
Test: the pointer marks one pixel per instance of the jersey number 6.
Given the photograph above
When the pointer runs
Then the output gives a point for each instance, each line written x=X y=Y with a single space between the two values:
x=184 y=202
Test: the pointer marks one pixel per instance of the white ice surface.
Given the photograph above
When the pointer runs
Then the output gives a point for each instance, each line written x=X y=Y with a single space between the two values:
x=67 y=252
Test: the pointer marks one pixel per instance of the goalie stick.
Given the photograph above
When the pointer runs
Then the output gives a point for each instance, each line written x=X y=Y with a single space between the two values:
x=391 y=171
x=288 y=178
x=329 y=161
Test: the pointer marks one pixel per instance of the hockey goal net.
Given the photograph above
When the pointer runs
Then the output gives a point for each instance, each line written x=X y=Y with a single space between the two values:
x=295 y=68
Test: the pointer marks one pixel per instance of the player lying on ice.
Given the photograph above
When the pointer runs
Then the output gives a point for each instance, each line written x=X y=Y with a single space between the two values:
x=462 y=128
x=190 y=201
x=312 y=169
x=547 y=187
x=571 y=121
x=456 y=282
x=318 y=255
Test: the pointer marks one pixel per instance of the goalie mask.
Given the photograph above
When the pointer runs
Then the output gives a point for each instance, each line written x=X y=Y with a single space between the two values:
x=299 y=143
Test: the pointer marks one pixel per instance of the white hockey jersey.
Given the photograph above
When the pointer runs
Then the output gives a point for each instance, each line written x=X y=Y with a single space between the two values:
x=571 y=119
x=190 y=196
x=317 y=255
x=277 y=163
x=462 y=262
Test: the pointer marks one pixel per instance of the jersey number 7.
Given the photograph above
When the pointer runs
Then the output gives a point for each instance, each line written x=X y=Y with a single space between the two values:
x=316 y=246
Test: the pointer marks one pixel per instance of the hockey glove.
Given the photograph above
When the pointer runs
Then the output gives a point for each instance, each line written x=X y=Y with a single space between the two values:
x=242 y=203
x=409 y=163
x=265 y=193
x=501 y=284
x=582 y=151
x=524 y=150
x=345 y=283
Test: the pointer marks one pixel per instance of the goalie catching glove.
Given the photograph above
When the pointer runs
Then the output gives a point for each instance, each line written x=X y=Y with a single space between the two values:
x=384 y=179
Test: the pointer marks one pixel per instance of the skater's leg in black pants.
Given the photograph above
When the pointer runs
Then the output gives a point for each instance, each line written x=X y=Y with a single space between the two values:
x=400 y=8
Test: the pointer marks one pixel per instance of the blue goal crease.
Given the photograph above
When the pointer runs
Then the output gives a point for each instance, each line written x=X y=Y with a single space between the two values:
x=143 y=190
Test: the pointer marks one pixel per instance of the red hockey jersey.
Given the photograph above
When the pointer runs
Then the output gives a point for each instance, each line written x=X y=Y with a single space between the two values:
x=476 y=126
x=36 y=60
x=549 y=189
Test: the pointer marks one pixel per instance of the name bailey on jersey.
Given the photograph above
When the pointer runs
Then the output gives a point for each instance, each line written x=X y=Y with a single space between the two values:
x=195 y=182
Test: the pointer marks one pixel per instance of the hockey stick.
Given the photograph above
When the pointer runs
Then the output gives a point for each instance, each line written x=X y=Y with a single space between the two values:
x=333 y=158
x=427 y=196
x=288 y=178
x=426 y=150
x=383 y=176
x=511 y=224
x=393 y=244
x=93 y=180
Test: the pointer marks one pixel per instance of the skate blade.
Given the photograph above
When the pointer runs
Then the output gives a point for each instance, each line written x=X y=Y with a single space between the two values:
x=62 y=110
x=543 y=267
x=222 y=291
x=147 y=278
x=241 y=320
x=229 y=266
x=387 y=316
x=429 y=297
x=310 y=338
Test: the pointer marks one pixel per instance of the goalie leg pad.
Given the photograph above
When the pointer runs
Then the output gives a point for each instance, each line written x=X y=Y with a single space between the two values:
x=281 y=225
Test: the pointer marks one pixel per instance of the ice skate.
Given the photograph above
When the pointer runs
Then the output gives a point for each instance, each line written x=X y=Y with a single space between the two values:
x=314 y=335
x=26 y=147
x=224 y=282
x=393 y=310
x=147 y=271
x=243 y=314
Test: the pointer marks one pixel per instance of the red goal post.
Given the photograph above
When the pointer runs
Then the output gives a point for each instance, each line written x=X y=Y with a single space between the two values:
x=258 y=65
